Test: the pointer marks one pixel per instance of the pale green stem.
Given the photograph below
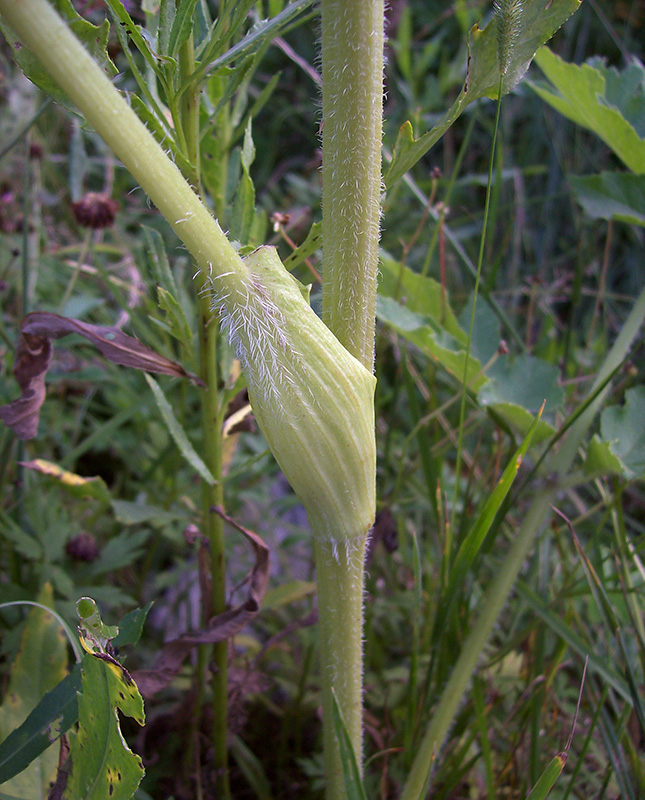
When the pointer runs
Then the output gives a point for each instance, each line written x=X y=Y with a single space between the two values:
x=352 y=72
x=45 y=34
x=443 y=716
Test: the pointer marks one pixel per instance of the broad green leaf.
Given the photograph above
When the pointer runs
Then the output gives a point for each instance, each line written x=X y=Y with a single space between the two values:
x=177 y=432
x=424 y=296
x=439 y=345
x=102 y=764
x=53 y=716
x=612 y=195
x=76 y=485
x=41 y=663
x=540 y=20
x=517 y=389
x=623 y=428
x=600 y=459
x=93 y=37
x=579 y=93
x=625 y=90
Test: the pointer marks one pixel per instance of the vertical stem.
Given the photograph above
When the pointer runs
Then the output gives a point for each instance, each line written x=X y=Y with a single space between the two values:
x=339 y=575
x=352 y=71
x=212 y=495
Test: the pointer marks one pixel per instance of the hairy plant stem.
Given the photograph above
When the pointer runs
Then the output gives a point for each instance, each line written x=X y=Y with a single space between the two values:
x=212 y=494
x=352 y=101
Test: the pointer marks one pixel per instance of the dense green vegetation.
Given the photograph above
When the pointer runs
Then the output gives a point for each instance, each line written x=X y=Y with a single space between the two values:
x=504 y=612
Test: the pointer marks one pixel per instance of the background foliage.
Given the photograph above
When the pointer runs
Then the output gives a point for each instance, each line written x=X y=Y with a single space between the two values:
x=559 y=280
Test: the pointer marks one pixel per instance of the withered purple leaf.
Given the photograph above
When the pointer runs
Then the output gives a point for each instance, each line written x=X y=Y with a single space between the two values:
x=33 y=355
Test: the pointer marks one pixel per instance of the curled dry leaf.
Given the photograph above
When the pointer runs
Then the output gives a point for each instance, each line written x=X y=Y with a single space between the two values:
x=223 y=626
x=34 y=353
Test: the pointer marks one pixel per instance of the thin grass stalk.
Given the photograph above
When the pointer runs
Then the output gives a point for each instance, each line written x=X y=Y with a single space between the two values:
x=352 y=103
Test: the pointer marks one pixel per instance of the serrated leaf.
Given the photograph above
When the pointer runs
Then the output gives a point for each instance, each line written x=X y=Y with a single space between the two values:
x=102 y=764
x=41 y=663
x=177 y=432
x=578 y=92
x=76 y=485
x=53 y=716
x=539 y=22
x=623 y=428
x=612 y=195
x=93 y=37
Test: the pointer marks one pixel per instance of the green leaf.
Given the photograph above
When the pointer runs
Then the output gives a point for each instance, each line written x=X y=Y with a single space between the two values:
x=158 y=260
x=102 y=764
x=600 y=459
x=131 y=626
x=177 y=432
x=244 y=201
x=41 y=663
x=93 y=37
x=23 y=543
x=547 y=779
x=612 y=195
x=182 y=26
x=351 y=773
x=120 y=551
x=76 y=485
x=131 y=513
x=579 y=93
x=438 y=345
x=94 y=633
x=311 y=245
x=175 y=319
x=623 y=429
x=517 y=389
x=285 y=593
x=539 y=22
x=53 y=716
x=419 y=294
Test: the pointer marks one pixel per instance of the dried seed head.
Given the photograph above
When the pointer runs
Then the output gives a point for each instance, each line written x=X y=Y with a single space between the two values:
x=95 y=210
x=313 y=401
x=508 y=16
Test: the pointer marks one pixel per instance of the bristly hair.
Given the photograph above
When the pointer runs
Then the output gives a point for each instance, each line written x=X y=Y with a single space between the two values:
x=508 y=17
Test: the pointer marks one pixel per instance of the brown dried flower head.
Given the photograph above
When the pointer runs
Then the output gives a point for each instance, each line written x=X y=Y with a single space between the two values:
x=95 y=210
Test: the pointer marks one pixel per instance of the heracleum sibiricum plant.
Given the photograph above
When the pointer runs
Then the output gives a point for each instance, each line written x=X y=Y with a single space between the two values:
x=312 y=393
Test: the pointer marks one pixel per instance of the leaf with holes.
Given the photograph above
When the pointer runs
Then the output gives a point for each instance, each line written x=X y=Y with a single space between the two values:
x=103 y=766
